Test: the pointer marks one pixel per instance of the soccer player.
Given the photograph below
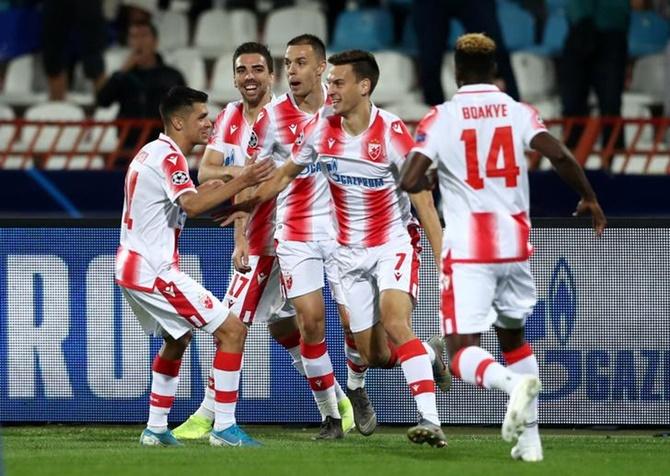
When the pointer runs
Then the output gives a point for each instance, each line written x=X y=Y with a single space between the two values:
x=477 y=142
x=304 y=235
x=254 y=291
x=159 y=195
x=360 y=149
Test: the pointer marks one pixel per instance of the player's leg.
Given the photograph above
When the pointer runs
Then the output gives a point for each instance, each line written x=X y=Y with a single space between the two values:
x=242 y=298
x=514 y=302
x=468 y=292
x=302 y=280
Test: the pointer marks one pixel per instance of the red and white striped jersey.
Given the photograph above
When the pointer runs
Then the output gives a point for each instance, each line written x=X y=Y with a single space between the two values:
x=230 y=136
x=303 y=208
x=477 y=140
x=369 y=207
x=152 y=218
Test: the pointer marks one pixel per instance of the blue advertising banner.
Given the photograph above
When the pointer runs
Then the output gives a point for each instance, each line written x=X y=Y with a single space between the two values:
x=71 y=349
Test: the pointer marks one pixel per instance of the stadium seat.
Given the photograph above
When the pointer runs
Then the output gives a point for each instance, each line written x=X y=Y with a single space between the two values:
x=110 y=138
x=19 y=82
x=114 y=59
x=191 y=65
x=242 y=27
x=449 y=75
x=410 y=108
x=52 y=111
x=556 y=5
x=553 y=37
x=517 y=25
x=367 y=29
x=397 y=76
x=211 y=33
x=535 y=75
x=649 y=76
x=456 y=29
x=6 y=134
x=648 y=33
x=172 y=30
x=222 y=88
x=285 y=23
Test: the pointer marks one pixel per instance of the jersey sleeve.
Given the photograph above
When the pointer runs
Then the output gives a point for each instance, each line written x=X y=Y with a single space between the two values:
x=426 y=139
x=176 y=179
x=400 y=141
x=532 y=124
x=304 y=150
x=263 y=135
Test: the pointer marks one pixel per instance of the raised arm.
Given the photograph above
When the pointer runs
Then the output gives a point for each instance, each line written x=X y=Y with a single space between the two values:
x=212 y=167
x=430 y=221
x=569 y=170
x=215 y=192
x=413 y=177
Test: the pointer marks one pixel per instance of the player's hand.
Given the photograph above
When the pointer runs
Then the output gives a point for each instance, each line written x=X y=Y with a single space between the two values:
x=241 y=257
x=258 y=171
x=592 y=207
x=229 y=215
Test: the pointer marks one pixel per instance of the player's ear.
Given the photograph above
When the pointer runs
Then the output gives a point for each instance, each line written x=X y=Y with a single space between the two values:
x=177 y=122
x=322 y=67
x=364 y=87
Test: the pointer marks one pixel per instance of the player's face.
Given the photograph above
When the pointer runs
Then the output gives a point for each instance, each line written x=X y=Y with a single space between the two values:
x=303 y=69
x=344 y=90
x=252 y=77
x=197 y=125
x=142 y=41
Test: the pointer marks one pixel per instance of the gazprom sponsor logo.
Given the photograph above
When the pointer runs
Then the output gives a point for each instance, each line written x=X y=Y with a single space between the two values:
x=358 y=181
x=581 y=362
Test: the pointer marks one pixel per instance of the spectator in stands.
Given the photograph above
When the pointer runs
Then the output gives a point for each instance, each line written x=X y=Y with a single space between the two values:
x=142 y=81
x=68 y=22
x=134 y=11
x=594 y=56
x=477 y=16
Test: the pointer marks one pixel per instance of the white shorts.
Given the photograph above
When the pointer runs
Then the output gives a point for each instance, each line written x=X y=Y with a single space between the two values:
x=302 y=266
x=366 y=272
x=474 y=296
x=176 y=305
x=255 y=296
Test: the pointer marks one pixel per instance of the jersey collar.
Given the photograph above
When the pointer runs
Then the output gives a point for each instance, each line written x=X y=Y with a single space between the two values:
x=478 y=88
x=173 y=144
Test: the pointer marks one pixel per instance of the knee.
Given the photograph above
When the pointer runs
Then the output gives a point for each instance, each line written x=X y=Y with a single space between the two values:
x=311 y=327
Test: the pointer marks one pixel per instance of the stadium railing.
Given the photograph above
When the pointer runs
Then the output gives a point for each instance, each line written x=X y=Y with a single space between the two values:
x=111 y=145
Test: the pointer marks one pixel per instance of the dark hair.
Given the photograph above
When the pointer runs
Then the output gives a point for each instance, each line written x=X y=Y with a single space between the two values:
x=362 y=62
x=178 y=98
x=314 y=41
x=251 y=47
x=148 y=24
x=475 y=56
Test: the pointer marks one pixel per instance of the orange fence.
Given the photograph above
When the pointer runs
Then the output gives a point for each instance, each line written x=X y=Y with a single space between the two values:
x=633 y=145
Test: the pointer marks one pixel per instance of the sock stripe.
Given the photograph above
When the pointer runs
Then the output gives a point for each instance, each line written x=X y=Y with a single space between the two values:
x=355 y=367
x=481 y=369
x=520 y=353
x=228 y=361
x=313 y=351
x=409 y=349
x=322 y=382
x=290 y=341
x=166 y=367
x=222 y=396
x=455 y=363
x=422 y=386
x=161 y=401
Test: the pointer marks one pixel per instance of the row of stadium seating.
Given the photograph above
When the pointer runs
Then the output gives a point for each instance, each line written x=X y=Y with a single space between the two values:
x=25 y=83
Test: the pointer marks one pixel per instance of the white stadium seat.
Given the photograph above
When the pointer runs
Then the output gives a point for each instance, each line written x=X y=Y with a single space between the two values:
x=53 y=111
x=191 y=65
x=534 y=74
x=114 y=59
x=285 y=23
x=222 y=88
x=211 y=36
x=397 y=76
x=449 y=75
x=172 y=30
x=649 y=76
x=19 y=82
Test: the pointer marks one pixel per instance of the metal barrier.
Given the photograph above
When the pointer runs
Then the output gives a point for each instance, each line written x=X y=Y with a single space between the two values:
x=111 y=145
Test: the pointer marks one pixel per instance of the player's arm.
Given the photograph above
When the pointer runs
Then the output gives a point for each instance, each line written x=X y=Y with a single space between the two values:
x=430 y=221
x=212 y=167
x=569 y=170
x=280 y=179
x=213 y=193
x=415 y=175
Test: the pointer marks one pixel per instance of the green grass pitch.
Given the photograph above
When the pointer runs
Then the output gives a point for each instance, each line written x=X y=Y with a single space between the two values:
x=114 y=450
